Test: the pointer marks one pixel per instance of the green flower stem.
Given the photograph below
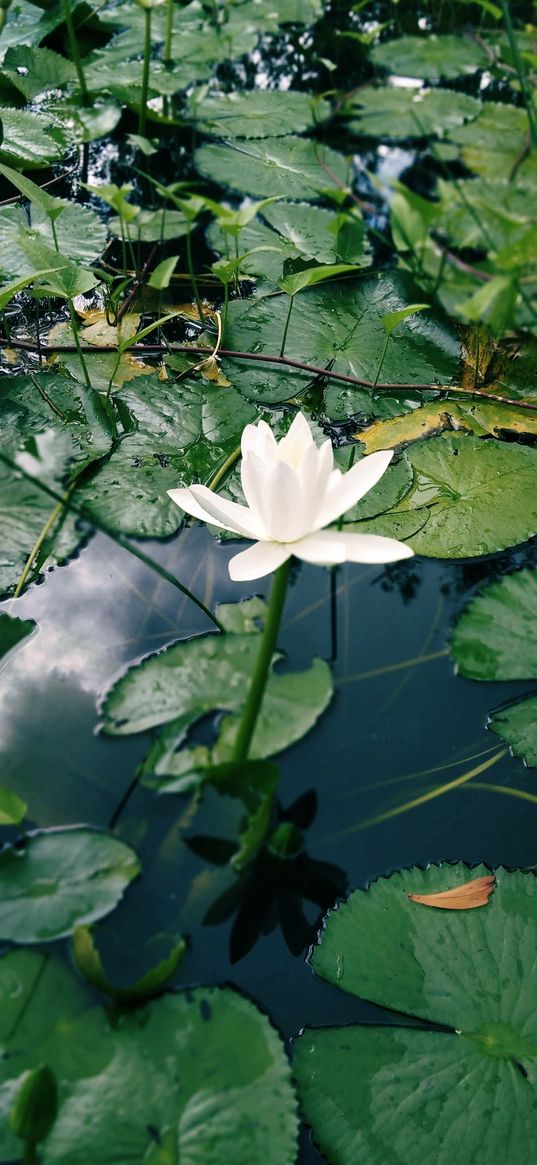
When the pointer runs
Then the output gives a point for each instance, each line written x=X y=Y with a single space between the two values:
x=145 y=75
x=75 y=51
x=74 y=329
x=260 y=675
x=30 y=1155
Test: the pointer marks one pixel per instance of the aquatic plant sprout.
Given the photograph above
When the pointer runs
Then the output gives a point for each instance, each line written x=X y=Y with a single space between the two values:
x=293 y=492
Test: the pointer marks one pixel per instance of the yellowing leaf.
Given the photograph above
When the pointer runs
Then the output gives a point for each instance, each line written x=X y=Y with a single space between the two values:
x=210 y=370
x=466 y=897
x=480 y=417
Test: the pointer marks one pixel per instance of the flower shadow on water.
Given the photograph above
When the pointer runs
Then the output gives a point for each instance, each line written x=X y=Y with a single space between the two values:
x=275 y=888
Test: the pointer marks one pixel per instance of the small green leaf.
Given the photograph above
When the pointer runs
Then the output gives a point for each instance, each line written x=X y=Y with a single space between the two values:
x=291 y=284
x=392 y=320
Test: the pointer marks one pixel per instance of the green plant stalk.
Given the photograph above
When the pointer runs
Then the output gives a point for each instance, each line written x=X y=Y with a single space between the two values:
x=56 y=513
x=74 y=330
x=191 y=272
x=287 y=322
x=261 y=671
x=75 y=52
x=520 y=70
x=30 y=1155
x=167 y=54
x=142 y=119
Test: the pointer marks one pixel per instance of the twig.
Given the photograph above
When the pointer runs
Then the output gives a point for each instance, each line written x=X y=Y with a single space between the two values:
x=286 y=362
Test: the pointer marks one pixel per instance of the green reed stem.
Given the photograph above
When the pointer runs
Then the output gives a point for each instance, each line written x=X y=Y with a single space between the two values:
x=287 y=322
x=190 y=263
x=30 y=1154
x=75 y=52
x=520 y=69
x=142 y=118
x=265 y=653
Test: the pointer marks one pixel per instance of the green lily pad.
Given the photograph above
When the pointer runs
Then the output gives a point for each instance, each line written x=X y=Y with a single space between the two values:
x=517 y=725
x=14 y=632
x=494 y=144
x=430 y=57
x=35 y=70
x=495 y=639
x=201 y=1075
x=27 y=24
x=31 y=139
x=405 y=1093
x=197 y=676
x=496 y=636
x=480 y=495
x=263 y=113
x=26 y=510
x=340 y=325
x=410 y=113
x=483 y=212
x=57 y=879
x=177 y=434
x=289 y=167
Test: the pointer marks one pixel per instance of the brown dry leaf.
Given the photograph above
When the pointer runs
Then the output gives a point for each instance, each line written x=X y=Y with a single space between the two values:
x=466 y=897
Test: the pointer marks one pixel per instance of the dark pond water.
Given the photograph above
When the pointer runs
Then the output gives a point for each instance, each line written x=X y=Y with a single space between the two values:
x=400 y=725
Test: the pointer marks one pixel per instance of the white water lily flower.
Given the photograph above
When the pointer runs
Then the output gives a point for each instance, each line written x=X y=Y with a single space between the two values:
x=292 y=492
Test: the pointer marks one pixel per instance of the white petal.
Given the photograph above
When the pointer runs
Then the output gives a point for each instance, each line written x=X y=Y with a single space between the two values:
x=259 y=439
x=297 y=441
x=238 y=519
x=322 y=549
x=285 y=511
x=374 y=548
x=329 y=547
x=187 y=502
x=254 y=479
x=353 y=485
x=257 y=561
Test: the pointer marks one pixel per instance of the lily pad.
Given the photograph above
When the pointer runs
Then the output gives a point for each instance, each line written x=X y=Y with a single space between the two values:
x=198 y=676
x=200 y=1074
x=56 y=879
x=410 y=113
x=431 y=57
x=177 y=434
x=340 y=326
x=494 y=144
x=263 y=113
x=496 y=636
x=480 y=495
x=289 y=167
x=31 y=139
x=14 y=632
x=402 y=1092
x=495 y=639
x=26 y=510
